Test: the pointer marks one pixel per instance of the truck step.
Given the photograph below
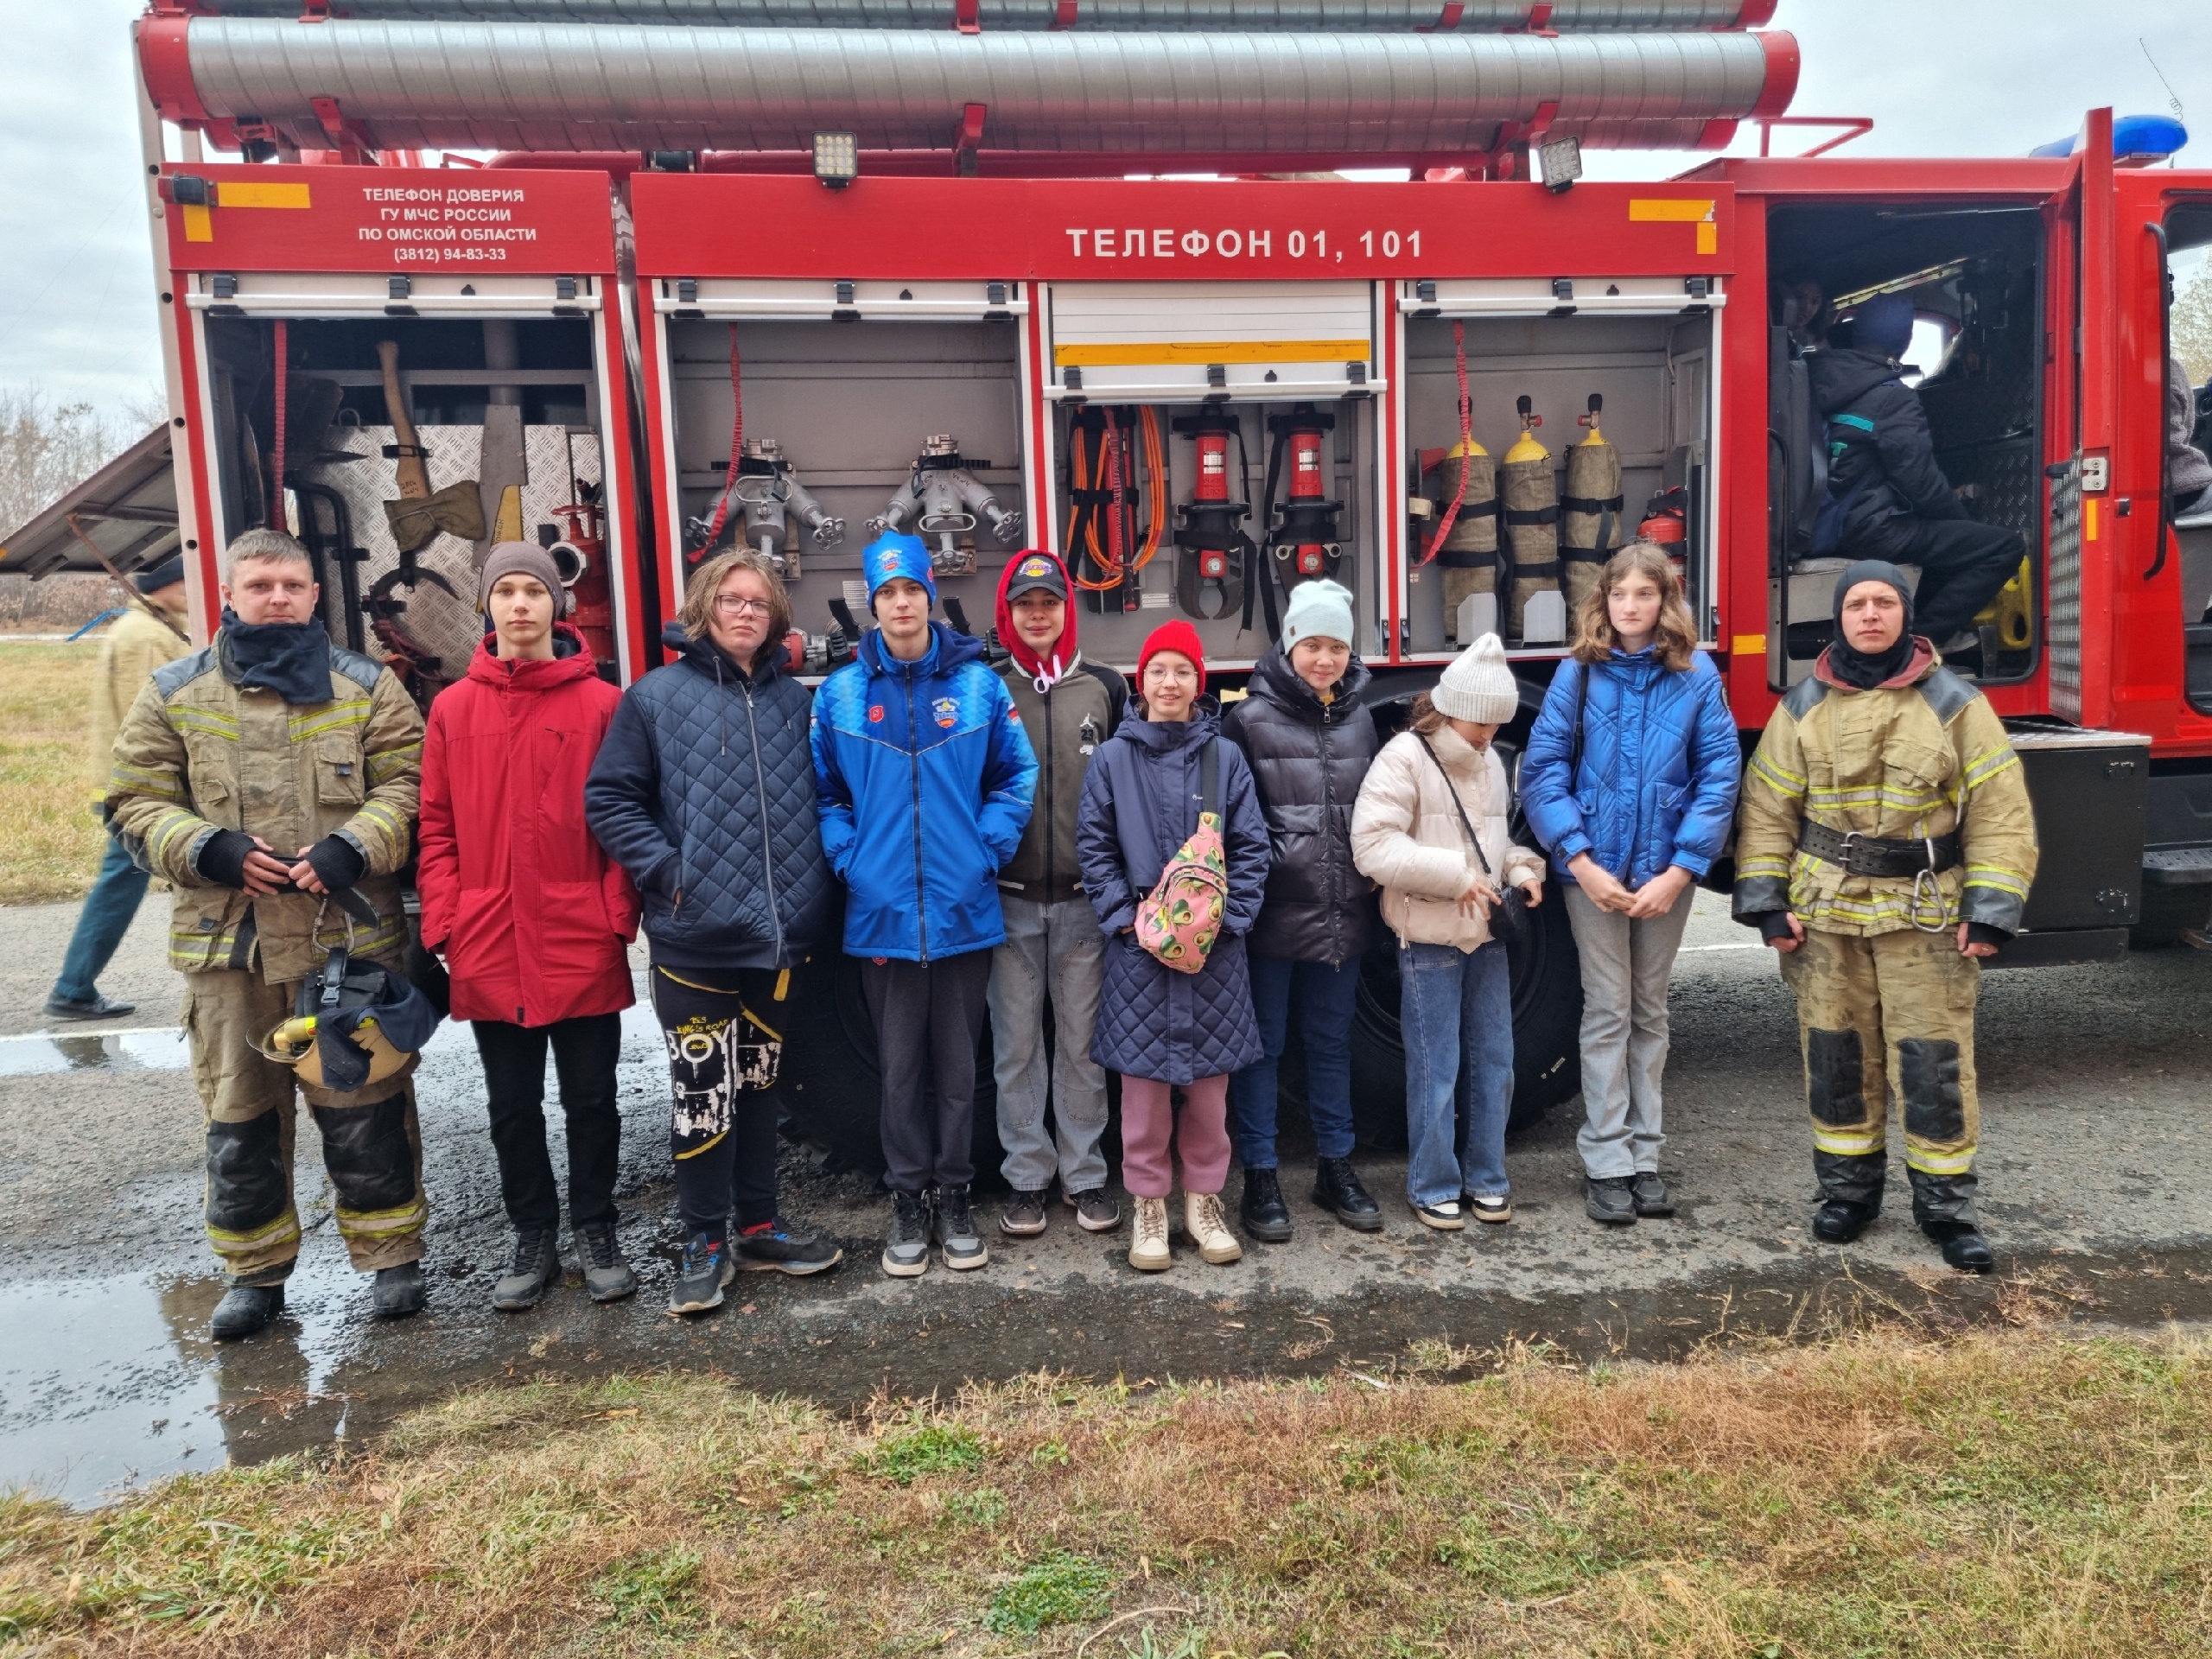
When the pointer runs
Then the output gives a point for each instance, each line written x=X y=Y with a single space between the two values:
x=2178 y=867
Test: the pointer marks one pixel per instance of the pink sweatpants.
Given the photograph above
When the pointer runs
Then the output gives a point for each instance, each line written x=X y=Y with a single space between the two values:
x=1148 y=1125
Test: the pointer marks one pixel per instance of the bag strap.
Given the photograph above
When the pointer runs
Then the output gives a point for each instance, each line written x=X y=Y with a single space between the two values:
x=1574 y=750
x=1457 y=806
x=1210 y=778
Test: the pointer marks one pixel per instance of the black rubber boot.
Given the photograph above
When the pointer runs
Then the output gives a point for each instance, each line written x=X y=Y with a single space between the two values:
x=1964 y=1248
x=244 y=1309
x=400 y=1292
x=1264 y=1214
x=1943 y=1206
x=1337 y=1189
x=1838 y=1221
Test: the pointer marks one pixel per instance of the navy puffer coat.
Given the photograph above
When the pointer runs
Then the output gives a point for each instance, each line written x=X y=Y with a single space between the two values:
x=1140 y=806
x=704 y=792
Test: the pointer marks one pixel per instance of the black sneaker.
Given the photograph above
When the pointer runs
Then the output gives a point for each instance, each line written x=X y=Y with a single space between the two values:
x=1650 y=1194
x=536 y=1264
x=1840 y=1221
x=954 y=1223
x=707 y=1267
x=776 y=1248
x=244 y=1309
x=608 y=1277
x=400 y=1292
x=1023 y=1217
x=1337 y=1189
x=1094 y=1212
x=94 y=1008
x=1610 y=1199
x=1261 y=1210
x=907 y=1252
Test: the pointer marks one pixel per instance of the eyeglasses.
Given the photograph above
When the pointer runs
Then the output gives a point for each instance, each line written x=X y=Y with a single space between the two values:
x=731 y=605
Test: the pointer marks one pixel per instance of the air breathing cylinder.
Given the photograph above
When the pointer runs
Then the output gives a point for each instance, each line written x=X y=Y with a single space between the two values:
x=1468 y=558
x=1528 y=490
x=1590 y=512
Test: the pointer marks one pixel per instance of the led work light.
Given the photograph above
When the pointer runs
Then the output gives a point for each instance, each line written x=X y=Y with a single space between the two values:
x=836 y=158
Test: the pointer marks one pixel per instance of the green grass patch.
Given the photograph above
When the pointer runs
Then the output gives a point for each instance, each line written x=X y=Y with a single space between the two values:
x=1061 y=1589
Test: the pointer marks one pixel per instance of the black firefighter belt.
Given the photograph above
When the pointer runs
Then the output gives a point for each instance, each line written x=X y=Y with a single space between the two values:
x=1879 y=855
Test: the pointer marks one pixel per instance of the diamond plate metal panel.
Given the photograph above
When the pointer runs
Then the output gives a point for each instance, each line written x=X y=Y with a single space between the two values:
x=2065 y=582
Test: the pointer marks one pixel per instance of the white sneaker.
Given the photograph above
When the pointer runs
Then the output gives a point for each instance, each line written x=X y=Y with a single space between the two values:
x=1202 y=1219
x=1148 y=1250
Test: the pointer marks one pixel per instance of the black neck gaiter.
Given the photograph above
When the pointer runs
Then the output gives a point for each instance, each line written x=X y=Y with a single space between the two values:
x=290 y=658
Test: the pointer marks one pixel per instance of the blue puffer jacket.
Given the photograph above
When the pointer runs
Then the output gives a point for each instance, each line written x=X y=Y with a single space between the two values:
x=1140 y=804
x=923 y=779
x=702 y=792
x=1660 y=766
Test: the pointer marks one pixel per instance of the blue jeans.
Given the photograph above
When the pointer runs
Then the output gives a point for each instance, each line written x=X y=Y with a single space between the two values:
x=1456 y=1005
x=101 y=925
x=1325 y=998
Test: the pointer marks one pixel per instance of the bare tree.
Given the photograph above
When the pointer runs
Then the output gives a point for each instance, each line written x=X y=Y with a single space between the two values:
x=2192 y=326
x=45 y=448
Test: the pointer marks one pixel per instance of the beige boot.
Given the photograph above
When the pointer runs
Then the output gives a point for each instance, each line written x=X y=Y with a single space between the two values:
x=1202 y=1218
x=1148 y=1248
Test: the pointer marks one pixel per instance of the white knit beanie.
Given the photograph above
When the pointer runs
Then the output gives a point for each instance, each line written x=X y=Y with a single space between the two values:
x=1319 y=610
x=1478 y=686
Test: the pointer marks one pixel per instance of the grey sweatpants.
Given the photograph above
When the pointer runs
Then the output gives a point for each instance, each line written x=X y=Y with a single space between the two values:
x=1059 y=948
x=1625 y=968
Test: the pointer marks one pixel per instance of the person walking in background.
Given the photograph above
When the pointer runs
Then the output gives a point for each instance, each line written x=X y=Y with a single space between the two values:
x=531 y=916
x=1430 y=827
x=1166 y=798
x=1630 y=778
x=1068 y=707
x=263 y=777
x=144 y=637
x=1309 y=739
x=923 y=779
x=703 y=791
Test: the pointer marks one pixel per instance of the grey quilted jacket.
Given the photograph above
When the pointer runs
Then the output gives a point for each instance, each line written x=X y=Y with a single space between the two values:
x=704 y=792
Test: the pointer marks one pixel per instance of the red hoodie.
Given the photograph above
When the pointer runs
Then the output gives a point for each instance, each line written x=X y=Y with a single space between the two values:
x=1044 y=675
x=532 y=915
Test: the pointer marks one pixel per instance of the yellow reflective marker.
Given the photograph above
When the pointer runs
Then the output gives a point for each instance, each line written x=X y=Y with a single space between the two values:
x=1669 y=210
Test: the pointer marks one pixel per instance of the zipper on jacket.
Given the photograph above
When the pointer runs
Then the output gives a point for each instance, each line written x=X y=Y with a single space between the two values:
x=767 y=830
x=1050 y=815
x=914 y=761
x=1328 y=863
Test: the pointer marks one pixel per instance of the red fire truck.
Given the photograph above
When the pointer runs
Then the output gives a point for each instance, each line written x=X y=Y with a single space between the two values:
x=768 y=276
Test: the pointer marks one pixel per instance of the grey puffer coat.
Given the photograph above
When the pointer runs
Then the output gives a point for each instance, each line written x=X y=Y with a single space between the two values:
x=1140 y=804
x=1308 y=760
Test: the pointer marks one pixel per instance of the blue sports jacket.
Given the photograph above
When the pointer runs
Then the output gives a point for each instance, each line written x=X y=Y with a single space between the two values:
x=923 y=779
x=1660 y=766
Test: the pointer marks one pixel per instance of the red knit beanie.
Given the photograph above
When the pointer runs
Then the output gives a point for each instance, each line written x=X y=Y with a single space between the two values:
x=1176 y=635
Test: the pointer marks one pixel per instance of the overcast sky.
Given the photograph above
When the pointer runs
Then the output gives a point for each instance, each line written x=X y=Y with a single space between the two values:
x=1940 y=77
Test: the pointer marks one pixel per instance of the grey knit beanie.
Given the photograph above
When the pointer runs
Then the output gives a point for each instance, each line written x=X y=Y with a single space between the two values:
x=1478 y=686
x=521 y=559
x=1320 y=609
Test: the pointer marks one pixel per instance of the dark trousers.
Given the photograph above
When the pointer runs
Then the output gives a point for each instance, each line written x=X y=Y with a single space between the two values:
x=1962 y=564
x=584 y=1053
x=101 y=923
x=929 y=1019
x=1327 y=998
x=724 y=1044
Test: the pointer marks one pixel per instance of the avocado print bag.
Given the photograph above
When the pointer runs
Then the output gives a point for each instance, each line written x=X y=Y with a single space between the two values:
x=1178 y=921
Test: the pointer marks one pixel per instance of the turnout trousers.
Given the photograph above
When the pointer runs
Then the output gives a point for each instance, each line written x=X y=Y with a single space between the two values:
x=371 y=1145
x=1890 y=1015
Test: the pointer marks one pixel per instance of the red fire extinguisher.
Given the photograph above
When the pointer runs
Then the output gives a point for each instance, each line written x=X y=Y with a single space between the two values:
x=1305 y=537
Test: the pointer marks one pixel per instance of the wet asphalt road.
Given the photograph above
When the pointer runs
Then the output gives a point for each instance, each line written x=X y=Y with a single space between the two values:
x=2097 y=1172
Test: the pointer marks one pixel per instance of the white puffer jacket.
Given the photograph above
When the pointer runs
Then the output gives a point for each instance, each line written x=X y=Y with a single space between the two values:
x=1406 y=835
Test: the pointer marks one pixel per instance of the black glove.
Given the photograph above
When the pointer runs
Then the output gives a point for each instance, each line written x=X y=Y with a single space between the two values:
x=1984 y=933
x=337 y=862
x=1774 y=925
x=222 y=858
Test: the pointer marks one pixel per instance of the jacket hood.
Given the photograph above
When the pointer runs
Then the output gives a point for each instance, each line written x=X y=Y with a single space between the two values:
x=1839 y=378
x=571 y=660
x=1066 y=654
x=709 y=659
x=1277 y=682
x=1164 y=736
x=949 y=649
x=1921 y=663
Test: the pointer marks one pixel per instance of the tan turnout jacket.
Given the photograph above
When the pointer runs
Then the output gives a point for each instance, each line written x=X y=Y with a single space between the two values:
x=197 y=754
x=129 y=652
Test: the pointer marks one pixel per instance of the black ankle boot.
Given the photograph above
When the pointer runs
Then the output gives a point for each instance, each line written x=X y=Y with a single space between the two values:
x=1337 y=1189
x=1264 y=1214
x=244 y=1309
x=1963 y=1246
x=1840 y=1220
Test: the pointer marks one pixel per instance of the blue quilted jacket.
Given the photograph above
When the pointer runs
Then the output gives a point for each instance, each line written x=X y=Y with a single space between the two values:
x=1660 y=767
x=923 y=779
x=703 y=791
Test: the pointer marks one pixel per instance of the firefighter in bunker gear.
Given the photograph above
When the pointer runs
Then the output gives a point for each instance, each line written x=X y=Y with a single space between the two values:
x=272 y=739
x=1885 y=844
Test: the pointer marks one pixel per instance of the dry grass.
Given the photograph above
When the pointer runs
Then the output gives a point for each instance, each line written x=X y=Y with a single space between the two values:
x=2012 y=1494
x=45 y=823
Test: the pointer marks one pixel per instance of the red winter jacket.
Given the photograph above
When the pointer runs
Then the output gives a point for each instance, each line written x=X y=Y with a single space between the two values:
x=532 y=917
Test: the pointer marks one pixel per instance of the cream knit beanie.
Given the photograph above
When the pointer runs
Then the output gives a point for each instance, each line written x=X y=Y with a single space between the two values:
x=1478 y=686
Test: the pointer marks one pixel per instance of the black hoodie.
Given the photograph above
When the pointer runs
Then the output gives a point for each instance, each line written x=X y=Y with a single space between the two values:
x=1879 y=447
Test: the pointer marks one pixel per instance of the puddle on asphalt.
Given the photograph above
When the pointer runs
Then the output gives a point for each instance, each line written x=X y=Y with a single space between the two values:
x=108 y=1384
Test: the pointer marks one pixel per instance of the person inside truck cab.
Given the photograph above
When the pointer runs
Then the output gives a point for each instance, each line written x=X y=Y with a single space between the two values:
x=2189 y=473
x=1887 y=498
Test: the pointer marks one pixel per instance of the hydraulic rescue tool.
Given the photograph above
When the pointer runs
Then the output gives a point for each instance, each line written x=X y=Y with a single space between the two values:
x=1535 y=614
x=1590 y=512
x=1106 y=551
x=943 y=498
x=1464 y=544
x=1303 y=537
x=1212 y=552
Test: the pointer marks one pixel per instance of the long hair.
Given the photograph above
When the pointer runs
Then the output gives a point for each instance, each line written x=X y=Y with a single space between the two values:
x=1674 y=637
x=707 y=580
x=1424 y=718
